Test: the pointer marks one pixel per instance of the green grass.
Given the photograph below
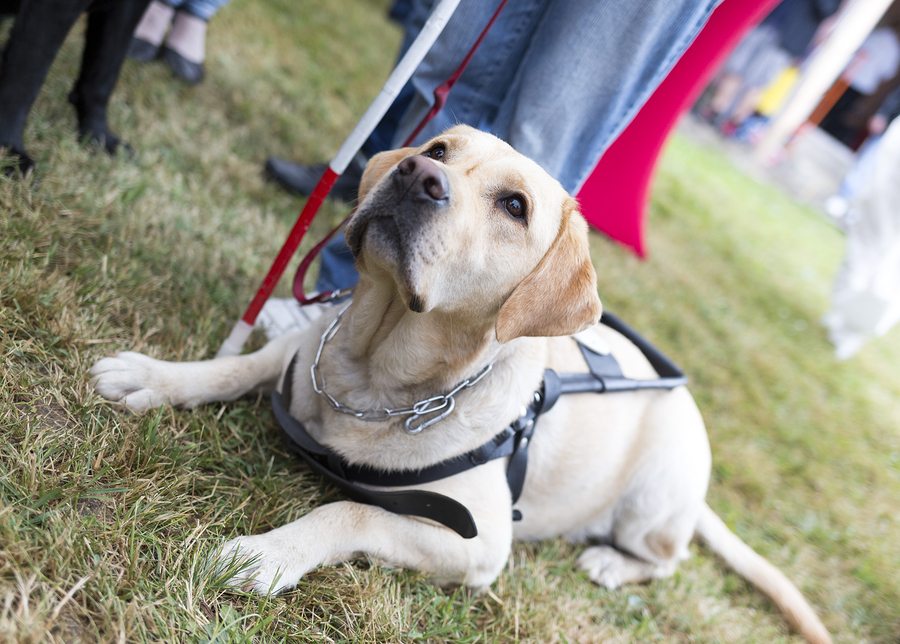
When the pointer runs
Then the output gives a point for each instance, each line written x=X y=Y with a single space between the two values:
x=107 y=519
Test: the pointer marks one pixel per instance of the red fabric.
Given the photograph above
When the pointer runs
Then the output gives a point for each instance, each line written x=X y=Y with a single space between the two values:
x=614 y=198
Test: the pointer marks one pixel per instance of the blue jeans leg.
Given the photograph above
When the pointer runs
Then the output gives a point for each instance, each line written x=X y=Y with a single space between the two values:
x=558 y=80
x=336 y=270
x=612 y=58
x=478 y=94
x=203 y=9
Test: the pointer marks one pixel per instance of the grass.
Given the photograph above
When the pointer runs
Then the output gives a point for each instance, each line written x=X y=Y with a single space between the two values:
x=107 y=519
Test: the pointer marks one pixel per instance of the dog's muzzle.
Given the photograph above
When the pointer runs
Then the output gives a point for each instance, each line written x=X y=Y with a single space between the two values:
x=403 y=206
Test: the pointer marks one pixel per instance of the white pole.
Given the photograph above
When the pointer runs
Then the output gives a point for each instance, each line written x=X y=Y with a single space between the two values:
x=855 y=22
x=395 y=82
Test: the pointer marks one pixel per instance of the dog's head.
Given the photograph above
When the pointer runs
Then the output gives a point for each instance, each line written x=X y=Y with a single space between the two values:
x=466 y=224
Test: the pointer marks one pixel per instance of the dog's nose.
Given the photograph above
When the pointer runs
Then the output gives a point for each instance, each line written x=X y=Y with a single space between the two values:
x=422 y=178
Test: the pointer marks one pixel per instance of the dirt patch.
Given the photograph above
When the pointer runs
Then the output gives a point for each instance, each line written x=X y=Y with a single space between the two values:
x=52 y=415
x=90 y=507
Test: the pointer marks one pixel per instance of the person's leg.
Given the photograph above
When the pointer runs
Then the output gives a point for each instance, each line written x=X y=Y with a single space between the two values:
x=185 y=46
x=336 y=270
x=565 y=79
x=39 y=30
x=588 y=70
x=203 y=9
x=724 y=95
x=151 y=30
x=768 y=62
x=478 y=93
x=400 y=10
x=745 y=105
x=109 y=30
x=835 y=121
x=733 y=76
x=491 y=67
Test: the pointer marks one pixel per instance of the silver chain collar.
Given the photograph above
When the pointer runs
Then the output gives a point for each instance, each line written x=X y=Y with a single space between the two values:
x=432 y=410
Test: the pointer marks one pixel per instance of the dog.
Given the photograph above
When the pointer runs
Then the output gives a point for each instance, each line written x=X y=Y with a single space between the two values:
x=38 y=32
x=469 y=254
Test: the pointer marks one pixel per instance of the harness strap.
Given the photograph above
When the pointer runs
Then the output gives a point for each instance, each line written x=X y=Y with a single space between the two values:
x=670 y=376
x=605 y=374
x=513 y=441
x=429 y=505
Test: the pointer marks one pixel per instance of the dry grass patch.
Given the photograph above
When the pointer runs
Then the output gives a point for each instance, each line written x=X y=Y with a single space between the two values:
x=107 y=519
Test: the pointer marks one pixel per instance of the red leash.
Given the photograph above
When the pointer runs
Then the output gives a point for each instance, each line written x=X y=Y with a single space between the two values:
x=442 y=90
x=308 y=259
x=440 y=99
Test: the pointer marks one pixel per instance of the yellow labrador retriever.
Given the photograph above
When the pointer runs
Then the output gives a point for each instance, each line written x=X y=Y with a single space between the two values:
x=469 y=255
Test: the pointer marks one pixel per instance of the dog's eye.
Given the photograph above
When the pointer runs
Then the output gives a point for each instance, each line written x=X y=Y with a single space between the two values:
x=436 y=152
x=515 y=206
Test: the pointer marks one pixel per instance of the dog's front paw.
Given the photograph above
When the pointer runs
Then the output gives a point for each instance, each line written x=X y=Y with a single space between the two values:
x=260 y=563
x=133 y=379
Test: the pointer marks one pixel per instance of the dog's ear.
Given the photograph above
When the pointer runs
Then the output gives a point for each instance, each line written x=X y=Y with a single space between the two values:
x=378 y=166
x=559 y=297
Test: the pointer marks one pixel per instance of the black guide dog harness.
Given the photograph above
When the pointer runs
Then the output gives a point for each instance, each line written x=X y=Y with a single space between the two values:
x=604 y=375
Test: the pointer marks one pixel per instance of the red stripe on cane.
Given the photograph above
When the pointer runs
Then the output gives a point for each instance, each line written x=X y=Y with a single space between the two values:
x=323 y=187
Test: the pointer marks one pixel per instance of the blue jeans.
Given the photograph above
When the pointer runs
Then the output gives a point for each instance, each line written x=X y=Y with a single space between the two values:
x=557 y=79
x=203 y=9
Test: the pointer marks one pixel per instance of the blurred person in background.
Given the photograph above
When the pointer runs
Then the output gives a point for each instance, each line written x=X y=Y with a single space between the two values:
x=770 y=53
x=866 y=293
x=175 y=31
x=876 y=61
x=38 y=32
x=838 y=206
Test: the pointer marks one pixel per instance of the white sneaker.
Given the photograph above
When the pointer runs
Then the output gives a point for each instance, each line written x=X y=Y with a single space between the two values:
x=280 y=315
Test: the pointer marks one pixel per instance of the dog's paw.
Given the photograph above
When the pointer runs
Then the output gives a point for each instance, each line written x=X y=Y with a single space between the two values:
x=611 y=568
x=133 y=379
x=604 y=565
x=259 y=563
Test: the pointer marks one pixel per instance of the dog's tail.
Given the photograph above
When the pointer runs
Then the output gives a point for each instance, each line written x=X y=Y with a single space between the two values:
x=761 y=574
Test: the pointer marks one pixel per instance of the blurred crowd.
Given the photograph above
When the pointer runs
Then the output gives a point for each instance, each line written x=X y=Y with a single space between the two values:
x=860 y=111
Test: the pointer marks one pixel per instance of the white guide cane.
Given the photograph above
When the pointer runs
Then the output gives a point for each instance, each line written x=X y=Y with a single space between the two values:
x=395 y=82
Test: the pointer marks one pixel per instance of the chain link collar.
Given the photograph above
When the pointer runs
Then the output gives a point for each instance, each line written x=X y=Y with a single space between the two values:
x=421 y=414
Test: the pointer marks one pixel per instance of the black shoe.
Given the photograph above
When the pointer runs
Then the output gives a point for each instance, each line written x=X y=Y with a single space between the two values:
x=190 y=72
x=142 y=50
x=14 y=161
x=302 y=179
x=93 y=129
x=106 y=141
